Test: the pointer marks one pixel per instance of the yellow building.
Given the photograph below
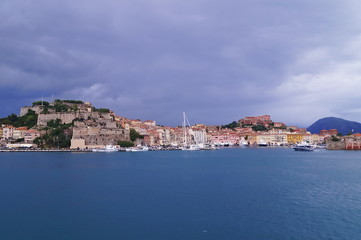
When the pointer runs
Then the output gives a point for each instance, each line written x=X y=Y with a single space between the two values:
x=251 y=139
x=294 y=138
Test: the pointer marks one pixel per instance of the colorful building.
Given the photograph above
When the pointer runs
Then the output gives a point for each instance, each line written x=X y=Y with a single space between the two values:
x=8 y=132
x=294 y=138
x=331 y=132
x=224 y=139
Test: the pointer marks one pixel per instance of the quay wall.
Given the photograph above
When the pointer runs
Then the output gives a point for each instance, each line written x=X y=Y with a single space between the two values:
x=333 y=145
x=345 y=143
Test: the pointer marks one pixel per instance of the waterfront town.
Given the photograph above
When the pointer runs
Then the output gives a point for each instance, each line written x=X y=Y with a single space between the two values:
x=77 y=125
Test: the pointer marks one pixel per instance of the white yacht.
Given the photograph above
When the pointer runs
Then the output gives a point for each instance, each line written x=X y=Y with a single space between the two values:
x=108 y=148
x=138 y=149
x=191 y=148
x=303 y=147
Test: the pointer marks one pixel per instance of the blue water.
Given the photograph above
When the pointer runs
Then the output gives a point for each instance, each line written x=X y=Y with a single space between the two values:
x=226 y=194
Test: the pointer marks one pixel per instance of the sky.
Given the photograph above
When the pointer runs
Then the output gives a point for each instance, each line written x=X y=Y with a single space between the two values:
x=218 y=61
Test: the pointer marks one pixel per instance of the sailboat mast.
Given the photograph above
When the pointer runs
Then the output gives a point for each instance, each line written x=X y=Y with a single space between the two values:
x=184 y=129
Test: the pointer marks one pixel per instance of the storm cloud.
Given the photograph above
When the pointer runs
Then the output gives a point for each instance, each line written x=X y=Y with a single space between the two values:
x=217 y=60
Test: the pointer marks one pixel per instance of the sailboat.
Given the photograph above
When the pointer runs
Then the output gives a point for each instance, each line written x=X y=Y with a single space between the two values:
x=187 y=145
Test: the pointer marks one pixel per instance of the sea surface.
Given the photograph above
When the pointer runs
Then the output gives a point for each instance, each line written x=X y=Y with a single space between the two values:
x=234 y=193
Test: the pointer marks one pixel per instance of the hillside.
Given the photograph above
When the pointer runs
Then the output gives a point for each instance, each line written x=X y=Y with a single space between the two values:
x=343 y=126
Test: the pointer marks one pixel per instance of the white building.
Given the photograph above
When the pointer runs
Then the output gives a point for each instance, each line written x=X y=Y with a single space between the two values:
x=8 y=132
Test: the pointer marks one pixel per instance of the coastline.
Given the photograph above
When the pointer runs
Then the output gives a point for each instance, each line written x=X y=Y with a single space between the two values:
x=44 y=150
x=124 y=150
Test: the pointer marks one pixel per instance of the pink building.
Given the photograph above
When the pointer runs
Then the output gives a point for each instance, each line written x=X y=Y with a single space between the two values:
x=279 y=124
x=244 y=131
x=30 y=135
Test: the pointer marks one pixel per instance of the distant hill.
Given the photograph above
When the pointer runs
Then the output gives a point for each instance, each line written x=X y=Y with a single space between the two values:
x=343 y=126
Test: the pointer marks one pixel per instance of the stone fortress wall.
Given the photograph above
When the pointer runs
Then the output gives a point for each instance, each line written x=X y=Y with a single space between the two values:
x=68 y=117
x=92 y=129
x=100 y=136
x=24 y=110
x=344 y=143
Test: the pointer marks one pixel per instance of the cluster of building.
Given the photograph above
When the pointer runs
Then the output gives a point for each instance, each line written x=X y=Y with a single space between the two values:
x=276 y=133
x=90 y=127
x=95 y=129
x=14 y=136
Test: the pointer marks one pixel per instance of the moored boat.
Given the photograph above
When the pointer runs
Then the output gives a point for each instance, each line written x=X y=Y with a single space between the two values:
x=191 y=148
x=138 y=149
x=303 y=147
x=108 y=148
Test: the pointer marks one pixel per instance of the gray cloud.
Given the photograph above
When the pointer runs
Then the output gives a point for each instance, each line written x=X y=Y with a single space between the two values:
x=218 y=60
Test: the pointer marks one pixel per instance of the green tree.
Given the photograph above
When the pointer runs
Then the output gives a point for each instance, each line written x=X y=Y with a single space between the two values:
x=101 y=110
x=45 y=110
x=29 y=120
x=73 y=101
x=259 y=128
x=54 y=123
x=232 y=125
x=125 y=144
x=335 y=139
x=13 y=117
x=39 y=141
x=58 y=135
x=60 y=107
x=134 y=135
x=40 y=103
x=74 y=108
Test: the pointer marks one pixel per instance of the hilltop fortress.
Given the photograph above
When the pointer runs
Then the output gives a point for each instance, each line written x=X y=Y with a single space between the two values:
x=91 y=127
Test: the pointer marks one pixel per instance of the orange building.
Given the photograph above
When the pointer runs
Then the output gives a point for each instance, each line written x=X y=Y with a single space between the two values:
x=331 y=132
x=294 y=138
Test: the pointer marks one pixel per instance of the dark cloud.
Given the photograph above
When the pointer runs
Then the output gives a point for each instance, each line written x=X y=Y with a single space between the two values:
x=218 y=60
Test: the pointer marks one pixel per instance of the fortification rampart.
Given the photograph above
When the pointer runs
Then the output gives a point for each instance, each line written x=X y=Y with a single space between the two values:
x=335 y=145
x=68 y=117
x=24 y=110
x=344 y=143
x=100 y=136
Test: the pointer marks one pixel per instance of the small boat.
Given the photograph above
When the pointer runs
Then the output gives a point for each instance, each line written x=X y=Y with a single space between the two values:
x=210 y=147
x=108 y=148
x=303 y=147
x=243 y=144
x=191 y=148
x=138 y=149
